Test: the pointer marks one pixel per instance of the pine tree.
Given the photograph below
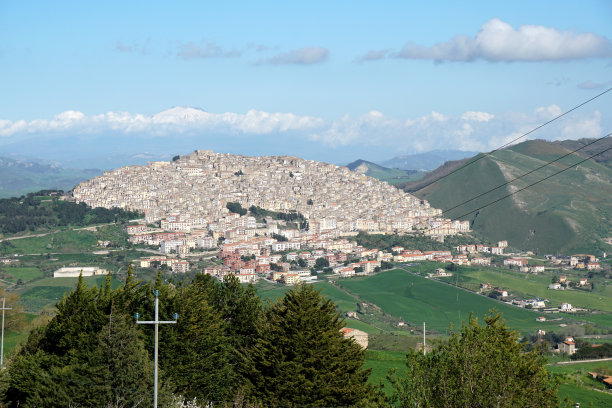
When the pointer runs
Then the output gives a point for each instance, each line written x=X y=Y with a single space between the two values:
x=241 y=311
x=481 y=366
x=53 y=368
x=303 y=358
x=196 y=353
x=123 y=369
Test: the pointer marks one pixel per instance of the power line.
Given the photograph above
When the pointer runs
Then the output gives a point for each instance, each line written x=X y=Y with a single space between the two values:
x=526 y=174
x=531 y=185
x=478 y=157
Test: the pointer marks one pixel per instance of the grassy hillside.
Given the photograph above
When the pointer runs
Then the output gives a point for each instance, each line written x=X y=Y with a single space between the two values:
x=570 y=212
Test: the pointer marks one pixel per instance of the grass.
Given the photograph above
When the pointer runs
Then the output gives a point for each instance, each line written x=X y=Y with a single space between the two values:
x=26 y=274
x=61 y=241
x=48 y=291
x=344 y=302
x=363 y=326
x=393 y=342
x=584 y=396
x=381 y=362
x=582 y=368
x=416 y=299
x=12 y=340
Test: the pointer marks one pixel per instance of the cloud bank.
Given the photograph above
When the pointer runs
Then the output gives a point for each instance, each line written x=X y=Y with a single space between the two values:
x=472 y=130
x=498 y=41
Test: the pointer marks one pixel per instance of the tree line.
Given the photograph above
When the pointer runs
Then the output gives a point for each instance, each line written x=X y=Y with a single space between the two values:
x=228 y=348
x=30 y=213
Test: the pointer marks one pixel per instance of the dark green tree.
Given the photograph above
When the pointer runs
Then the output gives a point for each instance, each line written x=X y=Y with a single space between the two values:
x=321 y=263
x=236 y=208
x=480 y=366
x=66 y=363
x=303 y=358
x=196 y=353
x=241 y=311
x=123 y=368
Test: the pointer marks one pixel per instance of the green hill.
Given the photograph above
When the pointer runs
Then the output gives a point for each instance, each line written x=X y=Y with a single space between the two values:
x=391 y=176
x=570 y=212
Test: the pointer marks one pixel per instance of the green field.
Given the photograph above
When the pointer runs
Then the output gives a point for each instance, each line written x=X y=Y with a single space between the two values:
x=344 y=302
x=381 y=362
x=26 y=274
x=61 y=241
x=48 y=291
x=578 y=367
x=584 y=396
x=416 y=299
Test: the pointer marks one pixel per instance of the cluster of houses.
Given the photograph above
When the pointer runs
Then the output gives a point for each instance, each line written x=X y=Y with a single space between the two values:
x=480 y=248
x=564 y=283
x=533 y=303
x=578 y=261
x=403 y=255
x=260 y=258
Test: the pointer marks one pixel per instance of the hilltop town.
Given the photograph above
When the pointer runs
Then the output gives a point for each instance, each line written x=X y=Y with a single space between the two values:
x=196 y=188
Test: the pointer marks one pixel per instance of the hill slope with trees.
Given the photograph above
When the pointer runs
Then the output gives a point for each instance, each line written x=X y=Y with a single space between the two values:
x=45 y=210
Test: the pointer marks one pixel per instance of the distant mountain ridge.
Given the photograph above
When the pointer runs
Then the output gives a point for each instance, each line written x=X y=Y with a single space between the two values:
x=20 y=176
x=426 y=161
x=391 y=176
x=569 y=212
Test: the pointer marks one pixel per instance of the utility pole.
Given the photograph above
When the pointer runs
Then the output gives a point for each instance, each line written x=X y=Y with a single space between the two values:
x=2 y=341
x=156 y=322
x=423 y=338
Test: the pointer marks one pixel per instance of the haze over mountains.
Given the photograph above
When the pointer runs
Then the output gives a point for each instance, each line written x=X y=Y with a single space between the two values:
x=20 y=176
x=426 y=161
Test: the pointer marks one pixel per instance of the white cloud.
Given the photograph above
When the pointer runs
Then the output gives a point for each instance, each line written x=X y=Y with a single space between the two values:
x=499 y=41
x=589 y=127
x=471 y=130
x=302 y=56
x=477 y=116
x=548 y=112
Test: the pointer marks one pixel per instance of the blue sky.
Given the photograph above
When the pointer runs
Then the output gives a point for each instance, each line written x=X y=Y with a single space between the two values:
x=333 y=81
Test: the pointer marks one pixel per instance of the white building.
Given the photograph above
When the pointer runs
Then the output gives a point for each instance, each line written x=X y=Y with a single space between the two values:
x=74 y=272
